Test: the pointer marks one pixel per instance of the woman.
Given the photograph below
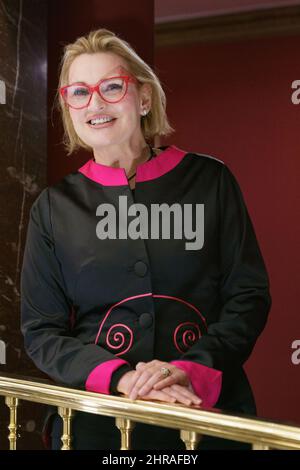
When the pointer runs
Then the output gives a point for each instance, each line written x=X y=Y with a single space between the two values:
x=160 y=311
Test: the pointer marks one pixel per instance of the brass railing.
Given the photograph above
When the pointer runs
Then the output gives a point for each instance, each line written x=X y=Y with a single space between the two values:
x=192 y=422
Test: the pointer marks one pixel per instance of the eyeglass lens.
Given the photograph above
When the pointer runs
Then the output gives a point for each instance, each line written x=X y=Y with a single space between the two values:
x=111 y=90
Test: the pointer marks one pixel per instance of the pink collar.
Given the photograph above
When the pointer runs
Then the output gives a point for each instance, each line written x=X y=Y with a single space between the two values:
x=154 y=168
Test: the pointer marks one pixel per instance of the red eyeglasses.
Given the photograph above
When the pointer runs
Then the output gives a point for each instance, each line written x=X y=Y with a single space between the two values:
x=111 y=90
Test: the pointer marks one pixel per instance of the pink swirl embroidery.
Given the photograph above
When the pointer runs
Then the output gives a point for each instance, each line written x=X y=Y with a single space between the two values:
x=118 y=333
x=188 y=337
x=117 y=337
x=188 y=304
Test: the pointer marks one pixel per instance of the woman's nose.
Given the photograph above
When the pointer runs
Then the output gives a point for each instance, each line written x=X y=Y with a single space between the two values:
x=96 y=100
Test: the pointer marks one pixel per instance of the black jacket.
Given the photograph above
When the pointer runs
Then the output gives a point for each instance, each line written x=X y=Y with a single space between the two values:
x=92 y=308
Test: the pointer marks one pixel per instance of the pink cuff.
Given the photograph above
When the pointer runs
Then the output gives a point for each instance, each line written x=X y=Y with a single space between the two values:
x=206 y=381
x=100 y=377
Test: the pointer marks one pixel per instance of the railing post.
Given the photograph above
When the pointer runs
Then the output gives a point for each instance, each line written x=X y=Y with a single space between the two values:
x=66 y=414
x=125 y=426
x=259 y=446
x=12 y=403
x=190 y=439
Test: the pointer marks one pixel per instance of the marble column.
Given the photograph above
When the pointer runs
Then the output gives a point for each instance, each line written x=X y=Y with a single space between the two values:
x=23 y=155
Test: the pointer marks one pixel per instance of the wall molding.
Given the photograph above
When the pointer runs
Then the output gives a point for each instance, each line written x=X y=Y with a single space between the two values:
x=281 y=21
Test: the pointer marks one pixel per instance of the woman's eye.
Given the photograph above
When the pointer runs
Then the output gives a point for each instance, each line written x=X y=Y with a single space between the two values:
x=116 y=85
x=113 y=86
x=80 y=92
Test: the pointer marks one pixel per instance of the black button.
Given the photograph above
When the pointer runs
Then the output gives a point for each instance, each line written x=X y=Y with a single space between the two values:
x=145 y=320
x=140 y=268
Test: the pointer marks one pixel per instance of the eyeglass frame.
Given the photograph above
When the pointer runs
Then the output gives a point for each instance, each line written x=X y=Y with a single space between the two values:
x=96 y=87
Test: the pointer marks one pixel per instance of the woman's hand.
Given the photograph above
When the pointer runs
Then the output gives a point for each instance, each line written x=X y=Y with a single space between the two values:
x=149 y=376
x=124 y=386
x=174 y=393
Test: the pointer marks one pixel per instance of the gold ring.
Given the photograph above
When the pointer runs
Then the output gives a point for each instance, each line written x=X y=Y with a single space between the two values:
x=165 y=371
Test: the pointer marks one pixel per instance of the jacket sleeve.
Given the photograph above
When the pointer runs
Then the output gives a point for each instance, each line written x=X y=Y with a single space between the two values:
x=244 y=293
x=45 y=314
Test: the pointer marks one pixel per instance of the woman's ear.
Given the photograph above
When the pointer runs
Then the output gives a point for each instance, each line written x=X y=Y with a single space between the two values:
x=145 y=96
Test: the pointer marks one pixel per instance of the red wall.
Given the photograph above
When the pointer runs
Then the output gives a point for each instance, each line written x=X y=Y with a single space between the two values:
x=233 y=101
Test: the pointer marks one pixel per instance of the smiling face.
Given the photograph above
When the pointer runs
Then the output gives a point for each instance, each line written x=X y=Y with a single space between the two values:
x=125 y=129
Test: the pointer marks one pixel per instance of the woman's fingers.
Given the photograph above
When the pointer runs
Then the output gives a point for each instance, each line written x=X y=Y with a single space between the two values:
x=146 y=377
x=173 y=394
x=154 y=380
x=144 y=383
x=157 y=382
x=159 y=395
x=177 y=377
x=142 y=376
x=187 y=393
x=182 y=397
x=135 y=379
x=141 y=368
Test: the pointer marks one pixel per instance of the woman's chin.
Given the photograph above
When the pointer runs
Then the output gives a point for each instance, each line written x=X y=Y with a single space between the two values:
x=97 y=143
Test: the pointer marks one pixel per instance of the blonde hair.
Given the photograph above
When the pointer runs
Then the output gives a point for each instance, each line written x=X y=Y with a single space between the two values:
x=155 y=123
